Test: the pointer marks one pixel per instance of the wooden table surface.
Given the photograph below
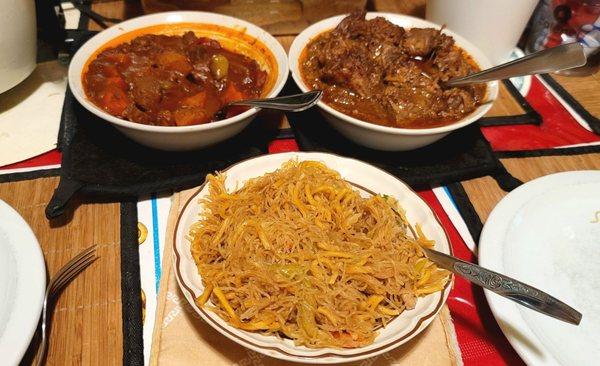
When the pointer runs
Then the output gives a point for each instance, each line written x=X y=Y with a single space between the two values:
x=87 y=324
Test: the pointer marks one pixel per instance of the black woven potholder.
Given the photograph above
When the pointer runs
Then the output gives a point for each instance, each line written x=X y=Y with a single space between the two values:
x=98 y=160
x=462 y=155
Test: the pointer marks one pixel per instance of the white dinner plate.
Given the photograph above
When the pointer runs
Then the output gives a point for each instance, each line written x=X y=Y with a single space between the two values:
x=22 y=285
x=399 y=331
x=547 y=233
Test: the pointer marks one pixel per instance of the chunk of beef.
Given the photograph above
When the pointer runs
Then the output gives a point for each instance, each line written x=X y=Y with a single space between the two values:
x=356 y=73
x=412 y=74
x=146 y=92
x=420 y=41
x=451 y=64
x=355 y=26
x=389 y=55
x=351 y=25
x=386 y=32
x=189 y=38
x=133 y=113
x=406 y=103
x=331 y=50
x=460 y=100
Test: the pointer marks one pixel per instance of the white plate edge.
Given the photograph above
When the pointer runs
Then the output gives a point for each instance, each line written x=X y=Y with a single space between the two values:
x=28 y=304
x=490 y=256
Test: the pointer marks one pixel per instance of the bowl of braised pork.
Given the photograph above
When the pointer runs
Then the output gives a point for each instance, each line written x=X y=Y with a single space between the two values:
x=383 y=78
x=165 y=80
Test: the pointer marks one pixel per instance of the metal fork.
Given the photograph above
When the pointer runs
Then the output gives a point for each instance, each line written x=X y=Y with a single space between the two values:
x=60 y=280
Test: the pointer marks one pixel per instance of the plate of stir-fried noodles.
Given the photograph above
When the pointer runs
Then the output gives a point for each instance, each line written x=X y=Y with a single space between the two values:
x=310 y=257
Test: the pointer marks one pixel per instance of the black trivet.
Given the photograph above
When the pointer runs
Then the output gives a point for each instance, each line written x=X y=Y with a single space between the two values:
x=131 y=287
x=530 y=117
x=464 y=154
x=101 y=162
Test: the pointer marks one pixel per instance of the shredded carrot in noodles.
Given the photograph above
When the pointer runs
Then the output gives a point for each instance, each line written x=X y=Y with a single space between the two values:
x=301 y=254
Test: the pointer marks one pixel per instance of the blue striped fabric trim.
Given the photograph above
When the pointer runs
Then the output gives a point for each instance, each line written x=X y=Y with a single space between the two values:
x=450 y=196
x=155 y=231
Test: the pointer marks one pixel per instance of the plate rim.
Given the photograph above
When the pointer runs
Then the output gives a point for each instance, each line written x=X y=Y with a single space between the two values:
x=27 y=306
x=322 y=358
x=490 y=244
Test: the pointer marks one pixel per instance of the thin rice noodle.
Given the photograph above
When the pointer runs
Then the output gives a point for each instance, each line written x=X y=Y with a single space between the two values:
x=299 y=253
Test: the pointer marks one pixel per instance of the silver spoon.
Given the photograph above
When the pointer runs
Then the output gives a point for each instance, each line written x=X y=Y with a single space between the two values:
x=558 y=58
x=510 y=288
x=289 y=103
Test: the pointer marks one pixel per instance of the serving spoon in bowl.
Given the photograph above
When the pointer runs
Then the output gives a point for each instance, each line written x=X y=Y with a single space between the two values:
x=289 y=103
x=553 y=59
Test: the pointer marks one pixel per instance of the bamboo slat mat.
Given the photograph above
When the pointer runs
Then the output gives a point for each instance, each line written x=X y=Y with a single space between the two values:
x=584 y=89
x=484 y=193
x=86 y=327
x=505 y=105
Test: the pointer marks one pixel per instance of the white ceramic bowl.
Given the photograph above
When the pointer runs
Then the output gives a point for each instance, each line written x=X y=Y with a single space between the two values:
x=382 y=137
x=174 y=138
x=397 y=332
x=546 y=233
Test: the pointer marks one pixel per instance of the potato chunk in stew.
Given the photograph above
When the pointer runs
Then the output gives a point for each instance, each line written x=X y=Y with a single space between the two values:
x=172 y=80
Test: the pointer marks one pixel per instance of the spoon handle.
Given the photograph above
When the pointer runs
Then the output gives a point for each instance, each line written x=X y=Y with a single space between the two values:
x=290 y=103
x=562 y=57
x=510 y=288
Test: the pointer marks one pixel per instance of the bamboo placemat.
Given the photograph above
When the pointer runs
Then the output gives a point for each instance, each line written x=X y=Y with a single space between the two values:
x=505 y=105
x=484 y=194
x=86 y=327
x=181 y=337
x=584 y=89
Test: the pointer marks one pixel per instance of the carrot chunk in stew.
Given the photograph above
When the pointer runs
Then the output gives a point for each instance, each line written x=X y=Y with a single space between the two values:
x=114 y=100
x=232 y=94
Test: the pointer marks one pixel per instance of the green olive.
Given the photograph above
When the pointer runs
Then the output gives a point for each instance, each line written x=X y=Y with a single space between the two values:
x=219 y=66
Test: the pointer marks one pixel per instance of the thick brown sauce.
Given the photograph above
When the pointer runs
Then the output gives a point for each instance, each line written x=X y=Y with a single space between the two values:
x=347 y=101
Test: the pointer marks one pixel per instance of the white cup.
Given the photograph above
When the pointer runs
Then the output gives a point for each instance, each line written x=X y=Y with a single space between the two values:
x=494 y=26
x=18 y=41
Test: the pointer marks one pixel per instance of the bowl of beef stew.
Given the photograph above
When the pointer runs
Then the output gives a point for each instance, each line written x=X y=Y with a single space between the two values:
x=165 y=79
x=383 y=78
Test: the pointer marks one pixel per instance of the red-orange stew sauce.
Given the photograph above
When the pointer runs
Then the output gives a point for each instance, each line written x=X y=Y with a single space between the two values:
x=172 y=80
